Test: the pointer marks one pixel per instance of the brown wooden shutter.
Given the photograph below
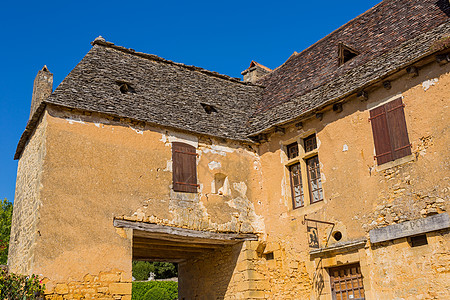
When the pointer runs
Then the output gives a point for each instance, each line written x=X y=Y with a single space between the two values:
x=184 y=168
x=397 y=128
x=381 y=137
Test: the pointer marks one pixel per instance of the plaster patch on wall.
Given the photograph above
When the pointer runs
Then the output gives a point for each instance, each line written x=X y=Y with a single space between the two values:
x=429 y=83
x=241 y=188
x=164 y=139
x=283 y=156
x=322 y=177
x=283 y=187
x=72 y=121
x=318 y=142
x=220 y=148
x=183 y=138
x=214 y=165
x=138 y=131
x=206 y=150
x=168 y=166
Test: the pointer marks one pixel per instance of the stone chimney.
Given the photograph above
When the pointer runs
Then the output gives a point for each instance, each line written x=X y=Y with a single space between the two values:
x=255 y=72
x=42 y=88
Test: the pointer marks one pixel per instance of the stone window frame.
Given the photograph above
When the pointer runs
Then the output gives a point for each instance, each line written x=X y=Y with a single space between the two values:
x=301 y=159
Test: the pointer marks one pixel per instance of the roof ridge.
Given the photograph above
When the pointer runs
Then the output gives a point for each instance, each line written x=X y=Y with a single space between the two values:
x=102 y=42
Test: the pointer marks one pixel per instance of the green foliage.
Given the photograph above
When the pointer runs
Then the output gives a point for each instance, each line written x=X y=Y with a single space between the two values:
x=162 y=270
x=141 y=270
x=162 y=290
x=157 y=293
x=13 y=287
x=6 y=209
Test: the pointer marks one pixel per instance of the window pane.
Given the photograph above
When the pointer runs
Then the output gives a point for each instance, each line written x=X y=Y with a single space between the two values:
x=315 y=182
x=296 y=185
x=310 y=143
x=292 y=150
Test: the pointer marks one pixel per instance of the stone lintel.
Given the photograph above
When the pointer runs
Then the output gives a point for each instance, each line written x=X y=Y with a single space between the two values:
x=176 y=233
x=410 y=228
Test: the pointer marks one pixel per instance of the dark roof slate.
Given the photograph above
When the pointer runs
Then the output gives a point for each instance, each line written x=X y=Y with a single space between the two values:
x=161 y=92
x=374 y=34
x=352 y=81
x=389 y=37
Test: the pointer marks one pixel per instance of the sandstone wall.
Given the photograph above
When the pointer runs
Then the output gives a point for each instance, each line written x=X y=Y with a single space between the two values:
x=27 y=202
x=100 y=168
x=83 y=170
x=360 y=196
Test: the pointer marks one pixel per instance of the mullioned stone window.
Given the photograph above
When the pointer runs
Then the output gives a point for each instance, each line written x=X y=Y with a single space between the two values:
x=303 y=166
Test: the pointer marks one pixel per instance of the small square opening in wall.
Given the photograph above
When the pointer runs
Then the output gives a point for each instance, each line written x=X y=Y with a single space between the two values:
x=418 y=240
x=269 y=256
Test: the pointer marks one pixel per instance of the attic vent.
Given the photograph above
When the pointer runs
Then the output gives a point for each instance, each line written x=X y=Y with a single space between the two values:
x=346 y=53
x=125 y=87
x=208 y=108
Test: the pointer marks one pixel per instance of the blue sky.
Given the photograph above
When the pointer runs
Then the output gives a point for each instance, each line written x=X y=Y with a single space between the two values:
x=219 y=36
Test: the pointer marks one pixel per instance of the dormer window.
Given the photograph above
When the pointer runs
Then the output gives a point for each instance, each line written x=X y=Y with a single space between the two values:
x=208 y=108
x=346 y=53
x=125 y=87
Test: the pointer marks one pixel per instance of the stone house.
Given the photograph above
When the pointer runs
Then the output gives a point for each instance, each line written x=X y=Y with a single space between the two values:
x=326 y=178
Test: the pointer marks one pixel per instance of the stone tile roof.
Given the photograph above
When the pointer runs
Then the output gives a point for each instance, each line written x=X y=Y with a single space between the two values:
x=159 y=92
x=388 y=37
x=313 y=77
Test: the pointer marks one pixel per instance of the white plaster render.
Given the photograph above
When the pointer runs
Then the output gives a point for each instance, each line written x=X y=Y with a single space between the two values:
x=72 y=121
x=218 y=149
x=168 y=166
x=214 y=165
x=183 y=138
x=138 y=131
x=429 y=83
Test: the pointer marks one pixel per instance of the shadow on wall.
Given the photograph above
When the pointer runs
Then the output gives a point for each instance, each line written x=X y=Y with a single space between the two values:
x=209 y=276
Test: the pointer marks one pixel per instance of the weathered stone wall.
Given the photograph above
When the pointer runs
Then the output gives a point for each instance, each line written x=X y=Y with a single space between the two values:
x=105 y=285
x=360 y=196
x=27 y=202
x=99 y=168
x=398 y=271
x=229 y=273
x=84 y=170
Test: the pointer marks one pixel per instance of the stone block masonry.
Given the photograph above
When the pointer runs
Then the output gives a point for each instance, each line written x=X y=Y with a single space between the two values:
x=105 y=286
x=27 y=203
